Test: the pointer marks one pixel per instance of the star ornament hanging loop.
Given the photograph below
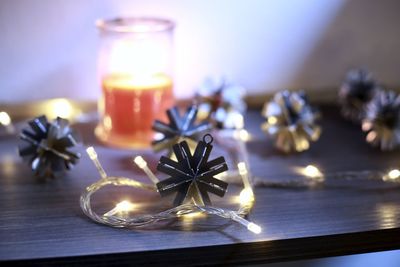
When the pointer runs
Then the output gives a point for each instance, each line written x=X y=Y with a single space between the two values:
x=192 y=177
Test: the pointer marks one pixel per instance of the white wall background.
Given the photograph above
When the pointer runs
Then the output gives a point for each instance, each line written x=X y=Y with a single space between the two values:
x=48 y=47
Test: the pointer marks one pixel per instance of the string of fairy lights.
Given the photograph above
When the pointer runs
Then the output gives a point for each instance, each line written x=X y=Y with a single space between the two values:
x=121 y=214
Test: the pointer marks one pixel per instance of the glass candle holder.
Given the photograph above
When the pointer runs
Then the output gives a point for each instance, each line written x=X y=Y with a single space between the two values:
x=135 y=69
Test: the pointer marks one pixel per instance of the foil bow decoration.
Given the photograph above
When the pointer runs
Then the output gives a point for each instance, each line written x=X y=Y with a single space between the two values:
x=382 y=121
x=291 y=121
x=46 y=146
x=179 y=128
x=358 y=89
x=221 y=103
x=192 y=176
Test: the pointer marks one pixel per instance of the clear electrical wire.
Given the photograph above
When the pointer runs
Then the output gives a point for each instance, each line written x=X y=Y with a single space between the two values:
x=119 y=216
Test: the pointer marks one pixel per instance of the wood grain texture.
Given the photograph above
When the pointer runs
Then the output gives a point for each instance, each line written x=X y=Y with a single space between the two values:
x=42 y=224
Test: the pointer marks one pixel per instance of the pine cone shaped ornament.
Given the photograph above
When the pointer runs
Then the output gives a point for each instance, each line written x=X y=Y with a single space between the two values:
x=46 y=146
x=358 y=89
x=221 y=103
x=382 y=121
x=291 y=121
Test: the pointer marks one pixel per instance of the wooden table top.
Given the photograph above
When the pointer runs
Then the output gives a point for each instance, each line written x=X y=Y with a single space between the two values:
x=42 y=223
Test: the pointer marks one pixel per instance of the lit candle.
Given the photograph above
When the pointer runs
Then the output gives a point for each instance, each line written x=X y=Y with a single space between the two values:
x=134 y=63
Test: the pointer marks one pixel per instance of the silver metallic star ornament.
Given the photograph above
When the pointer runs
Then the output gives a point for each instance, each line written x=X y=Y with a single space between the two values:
x=291 y=121
x=178 y=128
x=192 y=175
x=382 y=121
x=358 y=89
x=222 y=103
x=46 y=146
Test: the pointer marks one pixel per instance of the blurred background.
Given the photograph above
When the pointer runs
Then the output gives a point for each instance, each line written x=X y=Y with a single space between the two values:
x=48 y=47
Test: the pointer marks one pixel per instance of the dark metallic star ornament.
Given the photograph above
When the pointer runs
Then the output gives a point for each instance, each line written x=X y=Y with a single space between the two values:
x=291 y=121
x=179 y=128
x=382 y=121
x=358 y=89
x=192 y=176
x=46 y=146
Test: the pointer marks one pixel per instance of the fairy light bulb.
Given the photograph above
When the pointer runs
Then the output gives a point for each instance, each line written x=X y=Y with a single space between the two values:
x=91 y=152
x=124 y=206
x=244 y=174
x=121 y=208
x=189 y=217
x=312 y=171
x=242 y=168
x=244 y=135
x=254 y=228
x=93 y=156
x=5 y=118
x=246 y=197
x=142 y=164
x=392 y=175
x=61 y=108
x=272 y=120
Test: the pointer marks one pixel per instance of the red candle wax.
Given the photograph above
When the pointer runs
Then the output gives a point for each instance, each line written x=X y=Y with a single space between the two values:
x=129 y=107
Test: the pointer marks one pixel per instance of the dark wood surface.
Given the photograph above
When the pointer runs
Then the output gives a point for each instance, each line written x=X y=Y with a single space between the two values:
x=41 y=222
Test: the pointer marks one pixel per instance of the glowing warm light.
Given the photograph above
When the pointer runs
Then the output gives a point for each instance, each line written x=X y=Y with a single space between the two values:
x=61 y=108
x=139 y=58
x=91 y=152
x=371 y=136
x=93 y=156
x=254 y=228
x=5 y=118
x=388 y=215
x=366 y=126
x=140 y=162
x=193 y=215
x=238 y=120
x=107 y=122
x=246 y=197
x=392 y=175
x=312 y=171
x=272 y=120
x=124 y=206
x=242 y=135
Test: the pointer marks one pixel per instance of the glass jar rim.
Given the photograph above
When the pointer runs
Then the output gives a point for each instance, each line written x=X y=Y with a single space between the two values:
x=135 y=25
